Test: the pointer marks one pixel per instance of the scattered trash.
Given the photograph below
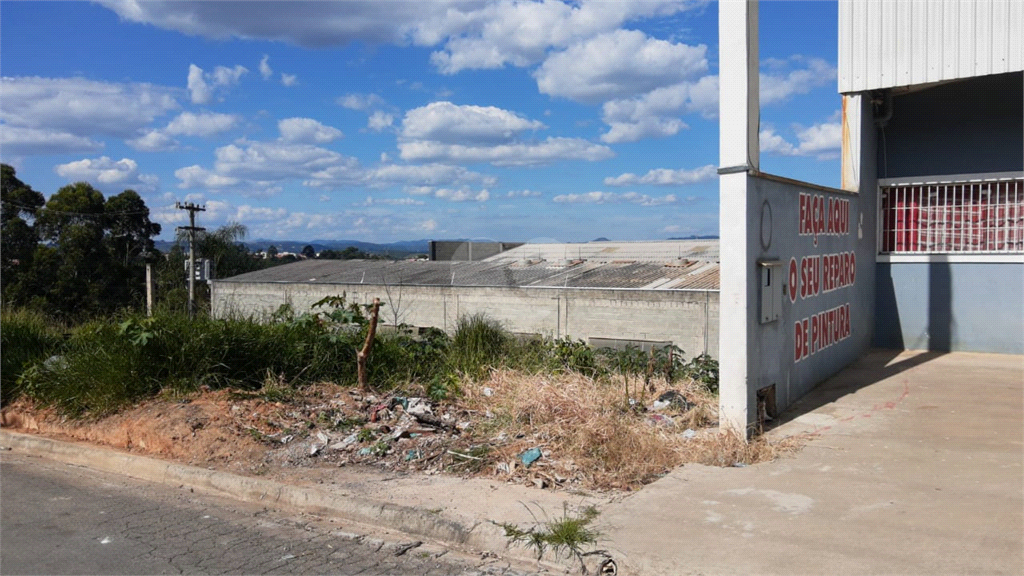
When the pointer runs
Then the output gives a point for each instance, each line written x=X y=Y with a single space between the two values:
x=419 y=407
x=323 y=438
x=674 y=399
x=287 y=439
x=348 y=441
x=365 y=451
x=661 y=419
x=107 y=539
x=530 y=456
x=739 y=465
x=286 y=556
x=488 y=392
x=689 y=433
x=314 y=449
x=413 y=454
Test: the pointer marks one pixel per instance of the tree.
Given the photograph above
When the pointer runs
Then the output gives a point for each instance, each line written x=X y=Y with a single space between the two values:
x=308 y=251
x=18 y=239
x=272 y=251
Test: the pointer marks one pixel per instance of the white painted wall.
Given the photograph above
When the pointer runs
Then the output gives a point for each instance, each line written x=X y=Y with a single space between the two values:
x=689 y=319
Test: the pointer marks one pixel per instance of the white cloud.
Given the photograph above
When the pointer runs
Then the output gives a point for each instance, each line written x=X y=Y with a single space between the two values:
x=359 y=101
x=523 y=194
x=197 y=177
x=17 y=141
x=823 y=141
x=153 y=141
x=426 y=175
x=814 y=73
x=665 y=177
x=307 y=130
x=655 y=114
x=450 y=123
x=379 y=121
x=108 y=173
x=518 y=33
x=514 y=154
x=289 y=79
x=224 y=76
x=265 y=70
x=442 y=131
x=53 y=115
x=598 y=197
x=201 y=85
x=197 y=85
x=371 y=201
x=618 y=64
x=204 y=125
x=462 y=195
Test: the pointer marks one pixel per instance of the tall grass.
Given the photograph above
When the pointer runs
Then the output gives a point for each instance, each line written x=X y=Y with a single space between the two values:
x=479 y=344
x=27 y=337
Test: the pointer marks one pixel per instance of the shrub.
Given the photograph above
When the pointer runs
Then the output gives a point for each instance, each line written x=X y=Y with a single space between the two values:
x=26 y=337
x=479 y=344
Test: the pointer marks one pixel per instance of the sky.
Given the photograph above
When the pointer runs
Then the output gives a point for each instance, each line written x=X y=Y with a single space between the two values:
x=386 y=121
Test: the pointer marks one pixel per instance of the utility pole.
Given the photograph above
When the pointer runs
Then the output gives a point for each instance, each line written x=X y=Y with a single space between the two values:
x=192 y=209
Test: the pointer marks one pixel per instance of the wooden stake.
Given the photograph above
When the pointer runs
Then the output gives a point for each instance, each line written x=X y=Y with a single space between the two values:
x=362 y=355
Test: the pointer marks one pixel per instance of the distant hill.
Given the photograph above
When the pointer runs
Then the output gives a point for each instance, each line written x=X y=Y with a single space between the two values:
x=396 y=249
x=695 y=237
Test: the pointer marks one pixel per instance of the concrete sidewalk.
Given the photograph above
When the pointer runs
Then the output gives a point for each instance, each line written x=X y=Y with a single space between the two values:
x=913 y=464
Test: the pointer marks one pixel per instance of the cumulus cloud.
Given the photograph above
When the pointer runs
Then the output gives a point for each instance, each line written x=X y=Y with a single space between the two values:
x=289 y=79
x=442 y=131
x=201 y=85
x=599 y=197
x=379 y=121
x=107 y=173
x=514 y=154
x=265 y=70
x=65 y=115
x=203 y=125
x=371 y=201
x=617 y=64
x=655 y=114
x=426 y=175
x=822 y=140
x=359 y=101
x=665 y=177
x=450 y=123
x=517 y=33
x=462 y=195
x=782 y=84
x=307 y=131
x=18 y=141
x=523 y=194
x=185 y=124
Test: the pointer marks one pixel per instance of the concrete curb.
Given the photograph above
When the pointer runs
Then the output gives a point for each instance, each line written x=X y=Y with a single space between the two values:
x=461 y=532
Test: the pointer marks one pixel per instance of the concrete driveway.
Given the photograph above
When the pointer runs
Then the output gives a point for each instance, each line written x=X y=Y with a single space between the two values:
x=913 y=465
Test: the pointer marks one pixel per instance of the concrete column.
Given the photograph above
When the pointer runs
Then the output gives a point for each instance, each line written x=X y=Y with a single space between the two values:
x=739 y=154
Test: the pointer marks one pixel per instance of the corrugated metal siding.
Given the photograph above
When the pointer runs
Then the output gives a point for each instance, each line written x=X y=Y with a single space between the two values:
x=891 y=43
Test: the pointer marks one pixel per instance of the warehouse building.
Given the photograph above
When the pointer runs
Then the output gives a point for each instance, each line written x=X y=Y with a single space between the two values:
x=921 y=247
x=605 y=293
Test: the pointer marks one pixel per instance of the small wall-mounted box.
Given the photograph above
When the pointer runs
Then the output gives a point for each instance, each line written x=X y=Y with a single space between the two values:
x=771 y=289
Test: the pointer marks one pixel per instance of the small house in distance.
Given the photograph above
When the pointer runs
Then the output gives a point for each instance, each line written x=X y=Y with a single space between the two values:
x=606 y=293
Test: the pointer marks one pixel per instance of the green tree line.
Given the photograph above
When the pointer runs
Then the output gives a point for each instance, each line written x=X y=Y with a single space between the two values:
x=80 y=255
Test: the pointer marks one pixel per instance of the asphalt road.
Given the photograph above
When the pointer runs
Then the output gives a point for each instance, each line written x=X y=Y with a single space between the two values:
x=61 y=519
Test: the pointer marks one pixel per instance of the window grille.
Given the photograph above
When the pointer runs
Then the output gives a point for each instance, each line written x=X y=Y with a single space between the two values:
x=958 y=217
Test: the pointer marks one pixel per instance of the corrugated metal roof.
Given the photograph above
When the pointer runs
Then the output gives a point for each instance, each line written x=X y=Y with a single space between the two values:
x=891 y=43
x=665 y=251
x=675 y=274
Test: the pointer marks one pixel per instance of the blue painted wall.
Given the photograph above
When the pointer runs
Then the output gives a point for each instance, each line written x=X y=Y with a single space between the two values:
x=976 y=307
x=965 y=127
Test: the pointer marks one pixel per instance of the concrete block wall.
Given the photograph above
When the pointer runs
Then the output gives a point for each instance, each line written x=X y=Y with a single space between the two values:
x=688 y=319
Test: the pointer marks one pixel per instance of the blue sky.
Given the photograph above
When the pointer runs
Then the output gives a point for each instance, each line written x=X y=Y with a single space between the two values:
x=387 y=121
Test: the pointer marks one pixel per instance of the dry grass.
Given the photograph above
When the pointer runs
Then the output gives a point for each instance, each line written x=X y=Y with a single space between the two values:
x=592 y=436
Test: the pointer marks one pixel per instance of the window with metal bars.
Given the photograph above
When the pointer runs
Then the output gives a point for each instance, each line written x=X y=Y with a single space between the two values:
x=979 y=217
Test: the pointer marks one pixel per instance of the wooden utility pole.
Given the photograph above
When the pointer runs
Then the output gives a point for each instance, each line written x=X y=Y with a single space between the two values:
x=192 y=209
x=149 y=289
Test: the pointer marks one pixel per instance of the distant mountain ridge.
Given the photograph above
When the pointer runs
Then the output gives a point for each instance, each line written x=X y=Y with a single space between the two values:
x=399 y=249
